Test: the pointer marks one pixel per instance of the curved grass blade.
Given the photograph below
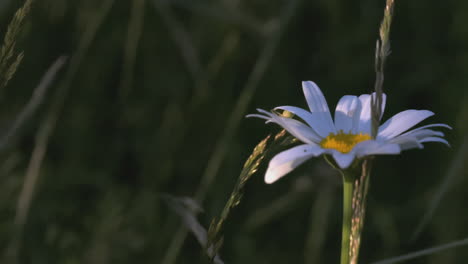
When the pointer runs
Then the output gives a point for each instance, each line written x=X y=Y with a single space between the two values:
x=187 y=208
x=424 y=252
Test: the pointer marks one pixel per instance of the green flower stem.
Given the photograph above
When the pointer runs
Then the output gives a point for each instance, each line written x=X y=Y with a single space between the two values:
x=355 y=187
x=347 y=218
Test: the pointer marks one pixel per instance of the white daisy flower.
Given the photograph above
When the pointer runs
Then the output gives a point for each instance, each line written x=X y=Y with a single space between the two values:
x=347 y=137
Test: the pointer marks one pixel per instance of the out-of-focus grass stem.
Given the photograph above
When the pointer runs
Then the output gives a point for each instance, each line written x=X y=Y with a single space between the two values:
x=424 y=252
x=230 y=42
x=222 y=12
x=178 y=119
x=277 y=208
x=133 y=36
x=48 y=126
x=242 y=103
x=36 y=100
x=455 y=170
x=32 y=173
x=29 y=185
x=84 y=44
x=187 y=49
x=319 y=215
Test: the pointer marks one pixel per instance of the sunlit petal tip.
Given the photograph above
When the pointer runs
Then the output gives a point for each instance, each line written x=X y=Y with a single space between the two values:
x=269 y=179
x=288 y=160
x=264 y=111
x=435 y=139
x=319 y=108
x=314 y=97
x=283 y=107
x=439 y=125
x=257 y=115
x=295 y=110
x=309 y=84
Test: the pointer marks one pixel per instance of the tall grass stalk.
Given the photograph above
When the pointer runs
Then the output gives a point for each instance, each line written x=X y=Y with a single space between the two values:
x=48 y=126
x=356 y=185
x=382 y=51
x=32 y=173
x=135 y=28
x=38 y=96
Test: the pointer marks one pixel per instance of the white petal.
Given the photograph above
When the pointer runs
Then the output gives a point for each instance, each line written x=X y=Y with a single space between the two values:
x=415 y=137
x=298 y=130
x=313 y=120
x=300 y=112
x=422 y=133
x=385 y=149
x=415 y=141
x=314 y=97
x=434 y=139
x=426 y=126
x=294 y=127
x=365 y=121
x=288 y=160
x=365 y=118
x=435 y=125
x=343 y=159
x=318 y=105
x=402 y=139
x=401 y=122
x=407 y=142
x=258 y=116
x=347 y=114
x=373 y=147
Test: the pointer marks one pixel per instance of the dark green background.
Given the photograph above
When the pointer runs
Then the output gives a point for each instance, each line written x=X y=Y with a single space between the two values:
x=128 y=132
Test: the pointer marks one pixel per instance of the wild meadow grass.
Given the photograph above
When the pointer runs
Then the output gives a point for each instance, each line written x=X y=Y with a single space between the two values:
x=124 y=138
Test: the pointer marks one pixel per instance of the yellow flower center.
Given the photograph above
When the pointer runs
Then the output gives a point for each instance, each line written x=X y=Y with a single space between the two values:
x=343 y=142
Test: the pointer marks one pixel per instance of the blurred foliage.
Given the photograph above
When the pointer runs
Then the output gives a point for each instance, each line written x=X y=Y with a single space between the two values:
x=155 y=90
